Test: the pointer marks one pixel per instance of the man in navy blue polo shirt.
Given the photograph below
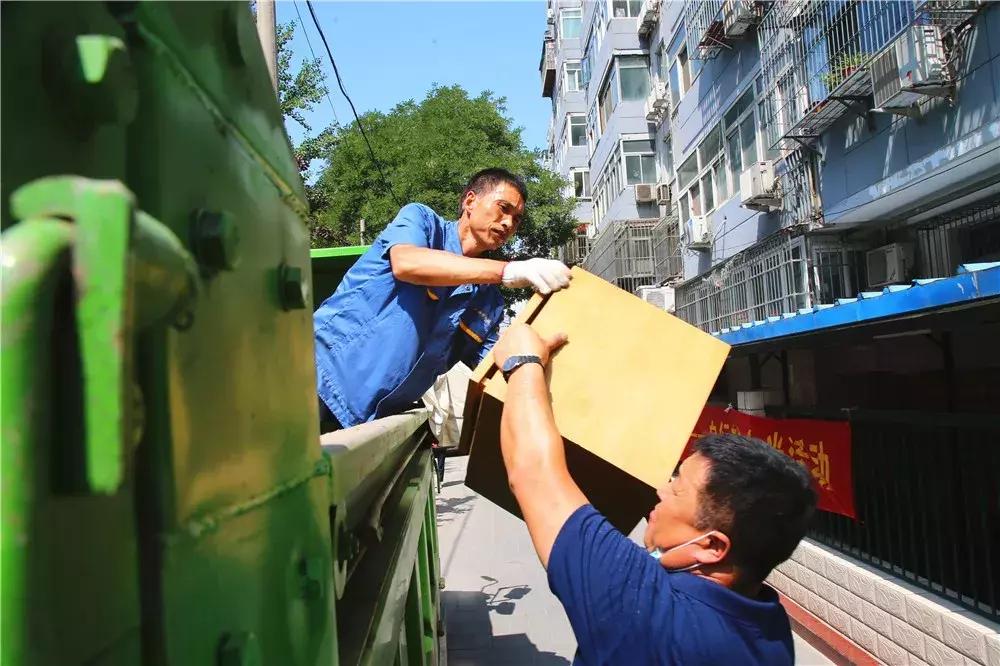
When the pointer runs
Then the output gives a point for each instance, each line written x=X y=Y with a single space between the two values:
x=420 y=300
x=695 y=595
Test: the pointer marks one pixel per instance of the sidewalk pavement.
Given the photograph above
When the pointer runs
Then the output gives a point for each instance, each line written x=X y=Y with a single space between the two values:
x=497 y=604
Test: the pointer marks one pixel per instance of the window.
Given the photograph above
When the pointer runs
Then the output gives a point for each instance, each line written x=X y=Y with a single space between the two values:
x=625 y=8
x=628 y=79
x=574 y=78
x=570 y=21
x=685 y=67
x=662 y=63
x=581 y=184
x=577 y=129
x=607 y=99
x=683 y=209
x=741 y=136
x=694 y=195
x=634 y=74
x=640 y=161
x=708 y=191
x=688 y=171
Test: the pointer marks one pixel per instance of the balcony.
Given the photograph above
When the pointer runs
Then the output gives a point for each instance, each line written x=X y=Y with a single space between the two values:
x=649 y=16
x=815 y=59
x=713 y=25
x=547 y=66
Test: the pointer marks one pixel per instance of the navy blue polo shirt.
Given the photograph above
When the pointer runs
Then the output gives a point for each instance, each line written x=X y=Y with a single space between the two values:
x=381 y=342
x=625 y=608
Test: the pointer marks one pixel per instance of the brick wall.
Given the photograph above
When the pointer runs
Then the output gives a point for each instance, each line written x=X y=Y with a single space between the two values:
x=895 y=621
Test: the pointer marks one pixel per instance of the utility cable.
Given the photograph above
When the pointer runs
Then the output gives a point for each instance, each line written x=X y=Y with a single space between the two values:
x=340 y=84
x=326 y=91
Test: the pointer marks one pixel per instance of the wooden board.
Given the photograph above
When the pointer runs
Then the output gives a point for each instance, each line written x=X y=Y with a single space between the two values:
x=627 y=388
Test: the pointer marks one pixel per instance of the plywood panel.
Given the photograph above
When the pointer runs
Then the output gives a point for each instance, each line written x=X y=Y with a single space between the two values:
x=627 y=388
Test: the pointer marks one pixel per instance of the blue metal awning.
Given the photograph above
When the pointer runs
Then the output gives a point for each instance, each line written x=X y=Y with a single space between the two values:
x=973 y=282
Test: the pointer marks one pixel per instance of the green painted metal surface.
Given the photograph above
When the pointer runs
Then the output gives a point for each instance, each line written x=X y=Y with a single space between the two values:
x=166 y=499
x=329 y=265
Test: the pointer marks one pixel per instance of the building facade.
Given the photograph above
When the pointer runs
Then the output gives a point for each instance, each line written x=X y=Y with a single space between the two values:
x=818 y=182
x=789 y=161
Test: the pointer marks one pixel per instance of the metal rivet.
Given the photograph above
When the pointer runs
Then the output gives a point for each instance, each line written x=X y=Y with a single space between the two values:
x=292 y=289
x=239 y=649
x=215 y=240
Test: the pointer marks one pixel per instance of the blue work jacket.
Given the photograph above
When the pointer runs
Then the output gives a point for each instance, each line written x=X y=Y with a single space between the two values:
x=381 y=342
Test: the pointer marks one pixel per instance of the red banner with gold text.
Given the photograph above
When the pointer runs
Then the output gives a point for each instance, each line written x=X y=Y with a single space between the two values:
x=824 y=447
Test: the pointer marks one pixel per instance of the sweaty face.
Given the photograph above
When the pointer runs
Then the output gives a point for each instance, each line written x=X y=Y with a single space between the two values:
x=672 y=520
x=494 y=215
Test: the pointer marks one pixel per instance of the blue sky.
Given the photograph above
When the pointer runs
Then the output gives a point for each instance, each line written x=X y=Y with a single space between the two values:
x=388 y=52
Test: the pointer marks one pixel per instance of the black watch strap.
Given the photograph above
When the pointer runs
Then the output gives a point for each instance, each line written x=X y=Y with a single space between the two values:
x=514 y=362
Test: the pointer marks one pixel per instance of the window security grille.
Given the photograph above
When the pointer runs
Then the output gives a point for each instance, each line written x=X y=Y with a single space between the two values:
x=623 y=254
x=814 y=60
x=765 y=281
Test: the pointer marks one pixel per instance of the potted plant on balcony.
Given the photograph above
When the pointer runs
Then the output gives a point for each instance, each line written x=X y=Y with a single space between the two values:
x=841 y=68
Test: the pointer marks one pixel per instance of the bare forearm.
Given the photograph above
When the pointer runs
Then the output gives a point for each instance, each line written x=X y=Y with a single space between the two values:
x=437 y=268
x=535 y=458
x=527 y=428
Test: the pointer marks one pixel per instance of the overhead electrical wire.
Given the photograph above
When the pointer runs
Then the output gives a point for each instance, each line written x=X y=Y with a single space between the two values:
x=326 y=91
x=340 y=84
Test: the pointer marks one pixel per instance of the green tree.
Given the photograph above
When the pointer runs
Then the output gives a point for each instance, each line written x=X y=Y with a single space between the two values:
x=299 y=92
x=427 y=151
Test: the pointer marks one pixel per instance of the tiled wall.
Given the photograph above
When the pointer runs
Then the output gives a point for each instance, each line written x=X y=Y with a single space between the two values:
x=895 y=621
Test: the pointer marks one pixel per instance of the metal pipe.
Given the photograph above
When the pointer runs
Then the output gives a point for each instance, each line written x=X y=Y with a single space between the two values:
x=34 y=255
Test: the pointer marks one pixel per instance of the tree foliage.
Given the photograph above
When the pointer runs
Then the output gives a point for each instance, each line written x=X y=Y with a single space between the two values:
x=428 y=150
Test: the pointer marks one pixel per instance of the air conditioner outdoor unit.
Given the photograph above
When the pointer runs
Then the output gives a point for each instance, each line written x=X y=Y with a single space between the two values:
x=550 y=14
x=889 y=264
x=660 y=297
x=653 y=112
x=758 y=187
x=644 y=193
x=649 y=15
x=663 y=194
x=913 y=66
x=696 y=232
x=660 y=95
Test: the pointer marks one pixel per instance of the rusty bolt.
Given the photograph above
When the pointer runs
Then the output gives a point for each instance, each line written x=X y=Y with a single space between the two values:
x=239 y=649
x=292 y=288
x=215 y=240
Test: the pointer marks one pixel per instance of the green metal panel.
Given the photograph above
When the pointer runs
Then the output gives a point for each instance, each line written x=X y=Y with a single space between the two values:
x=165 y=498
x=235 y=507
x=329 y=265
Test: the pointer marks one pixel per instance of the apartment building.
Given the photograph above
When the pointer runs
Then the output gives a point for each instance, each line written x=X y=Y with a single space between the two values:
x=818 y=183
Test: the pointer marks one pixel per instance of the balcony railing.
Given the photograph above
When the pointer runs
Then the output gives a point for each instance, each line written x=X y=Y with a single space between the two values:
x=814 y=61
x=713 y=25
x=768 y=279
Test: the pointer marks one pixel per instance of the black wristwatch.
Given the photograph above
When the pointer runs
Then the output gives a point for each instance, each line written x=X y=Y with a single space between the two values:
x=514 y=362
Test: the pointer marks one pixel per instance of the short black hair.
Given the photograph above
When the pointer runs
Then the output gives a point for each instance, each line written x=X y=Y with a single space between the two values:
x=759 y=497
x=487 y=179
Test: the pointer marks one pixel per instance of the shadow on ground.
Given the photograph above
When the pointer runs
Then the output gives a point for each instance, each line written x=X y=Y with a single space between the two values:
x=470 y=632
x=450 y=508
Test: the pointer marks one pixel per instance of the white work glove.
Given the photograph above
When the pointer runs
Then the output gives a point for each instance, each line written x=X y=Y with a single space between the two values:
x=542 y=275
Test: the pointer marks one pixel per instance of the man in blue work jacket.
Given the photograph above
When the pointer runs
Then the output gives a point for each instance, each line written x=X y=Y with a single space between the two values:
x=420 y=300
x=735 y=509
